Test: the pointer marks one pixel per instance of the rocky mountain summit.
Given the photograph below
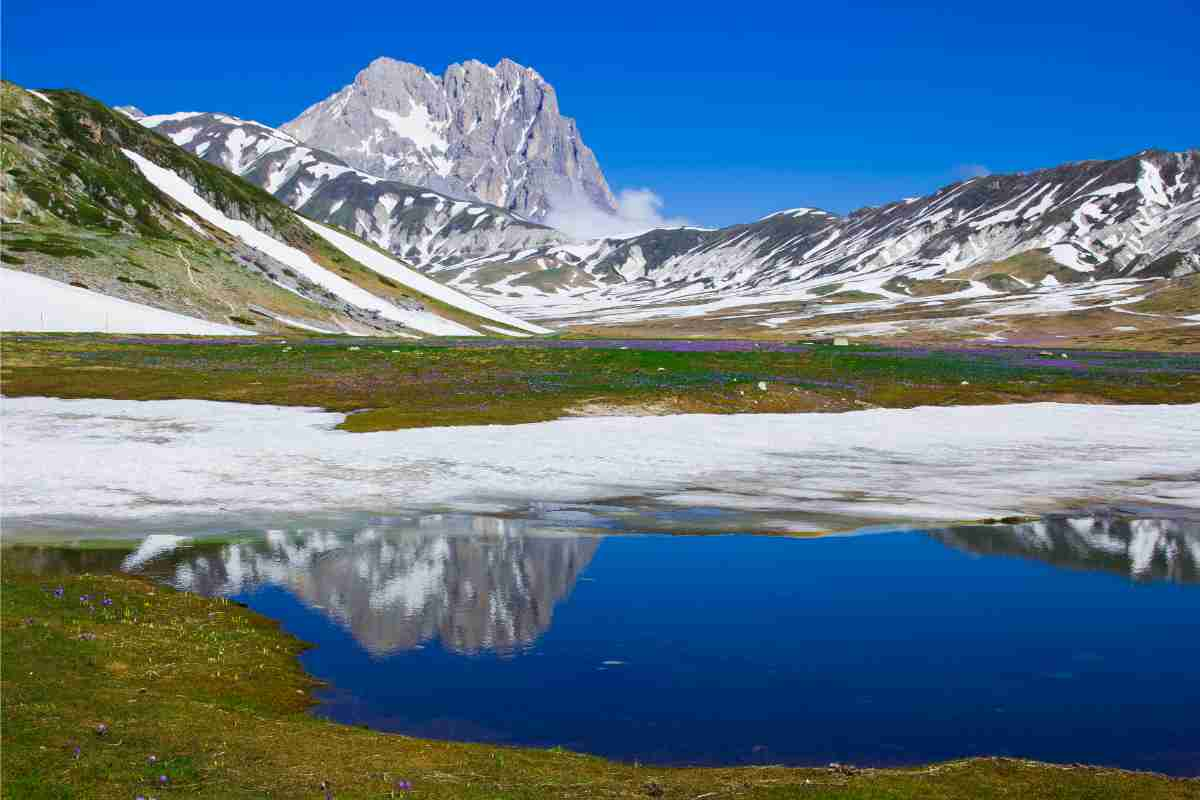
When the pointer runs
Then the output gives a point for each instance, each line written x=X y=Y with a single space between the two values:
x=477 y=132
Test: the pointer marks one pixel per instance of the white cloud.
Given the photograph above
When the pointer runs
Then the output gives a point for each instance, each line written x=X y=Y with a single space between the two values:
x=972 y=171
x=638 y=210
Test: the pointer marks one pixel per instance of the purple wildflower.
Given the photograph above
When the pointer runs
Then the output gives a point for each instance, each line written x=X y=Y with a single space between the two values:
x=59 y=592
x=106 y=602
x=403 y=786
x=328 y=789
x=85 y=598
x=75 y=752
x=163 y=780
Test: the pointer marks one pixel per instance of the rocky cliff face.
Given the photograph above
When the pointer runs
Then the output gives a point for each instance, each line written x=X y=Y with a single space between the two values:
x=477 y=132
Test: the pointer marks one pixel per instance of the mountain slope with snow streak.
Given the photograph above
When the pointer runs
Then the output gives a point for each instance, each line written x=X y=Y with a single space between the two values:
x=180 y=191
x=385 y=265
x=413 y=222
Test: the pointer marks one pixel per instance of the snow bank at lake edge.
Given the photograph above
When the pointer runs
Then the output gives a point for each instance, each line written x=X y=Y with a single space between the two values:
x=139 y=460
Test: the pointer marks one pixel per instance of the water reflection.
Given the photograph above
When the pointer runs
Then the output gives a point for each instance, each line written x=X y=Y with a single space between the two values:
x=477 y=584
x=1142 y=549
x=472 y=583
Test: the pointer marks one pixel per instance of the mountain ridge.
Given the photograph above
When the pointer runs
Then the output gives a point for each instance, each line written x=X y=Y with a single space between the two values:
x=1051 y=231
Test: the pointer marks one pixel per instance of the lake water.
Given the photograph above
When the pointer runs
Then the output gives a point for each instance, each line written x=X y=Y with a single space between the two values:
x=1068 y=639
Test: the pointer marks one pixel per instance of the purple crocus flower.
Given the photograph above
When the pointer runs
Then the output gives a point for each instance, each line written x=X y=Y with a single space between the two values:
x=75 y=752
x=59 y=592
x=163 y=780
x=403 y=786
x=106 y=602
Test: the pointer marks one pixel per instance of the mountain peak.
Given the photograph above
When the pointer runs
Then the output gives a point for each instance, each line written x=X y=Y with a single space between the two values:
x=477 y=132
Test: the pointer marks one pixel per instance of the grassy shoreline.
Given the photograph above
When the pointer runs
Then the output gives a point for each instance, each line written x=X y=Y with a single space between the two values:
x=216 y=694
x=400 y=384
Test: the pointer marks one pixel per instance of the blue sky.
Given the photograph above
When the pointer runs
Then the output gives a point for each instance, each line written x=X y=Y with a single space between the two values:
x=727 y=114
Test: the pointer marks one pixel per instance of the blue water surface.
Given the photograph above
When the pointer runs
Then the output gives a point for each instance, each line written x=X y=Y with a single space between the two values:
x=876 y=649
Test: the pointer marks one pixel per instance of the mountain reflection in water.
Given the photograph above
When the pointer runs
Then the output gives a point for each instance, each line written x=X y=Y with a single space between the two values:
x=1067 y=639
x=481 y=584
x=1142 y=549
x=473 y=584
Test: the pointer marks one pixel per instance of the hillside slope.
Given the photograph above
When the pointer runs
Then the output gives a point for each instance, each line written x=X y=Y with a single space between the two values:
x=92 y=199
x=972 y=258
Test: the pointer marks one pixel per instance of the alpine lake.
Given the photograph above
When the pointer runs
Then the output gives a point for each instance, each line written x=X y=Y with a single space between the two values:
x=675 y=638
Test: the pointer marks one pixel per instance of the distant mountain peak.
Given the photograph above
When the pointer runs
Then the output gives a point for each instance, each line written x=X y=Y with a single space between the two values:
x=491 y=133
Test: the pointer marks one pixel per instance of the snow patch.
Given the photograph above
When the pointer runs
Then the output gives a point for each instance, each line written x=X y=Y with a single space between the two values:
x=419 y=128
x=897 y=465
x=1070 y=255
x=34 y=303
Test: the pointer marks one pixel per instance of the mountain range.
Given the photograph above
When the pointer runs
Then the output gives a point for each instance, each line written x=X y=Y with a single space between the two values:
x=457 y=175
x=108 y=226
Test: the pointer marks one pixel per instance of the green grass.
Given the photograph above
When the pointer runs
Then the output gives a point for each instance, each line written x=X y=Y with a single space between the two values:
x=402 y=384
x=215 y=693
